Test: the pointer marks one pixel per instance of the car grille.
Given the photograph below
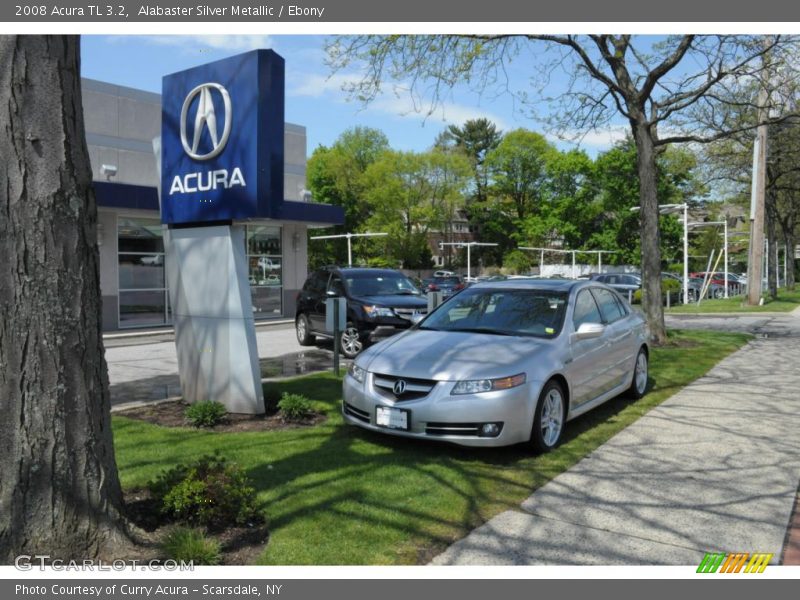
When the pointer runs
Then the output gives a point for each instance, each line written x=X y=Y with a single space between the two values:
x=414 y=388
x=356 y=413
x=467 y=429
x=407 y=313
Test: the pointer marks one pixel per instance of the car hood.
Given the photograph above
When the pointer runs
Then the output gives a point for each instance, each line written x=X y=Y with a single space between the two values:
x=451 y=356
x=394 y=300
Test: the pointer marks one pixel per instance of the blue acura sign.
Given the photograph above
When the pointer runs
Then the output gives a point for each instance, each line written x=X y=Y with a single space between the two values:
x=222 y=140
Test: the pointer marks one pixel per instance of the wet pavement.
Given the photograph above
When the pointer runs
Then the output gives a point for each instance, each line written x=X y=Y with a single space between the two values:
x=145 y=369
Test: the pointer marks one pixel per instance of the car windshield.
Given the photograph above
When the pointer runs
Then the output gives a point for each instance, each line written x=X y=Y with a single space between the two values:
x=446 y=280
x=383 y=284
x=529 y=312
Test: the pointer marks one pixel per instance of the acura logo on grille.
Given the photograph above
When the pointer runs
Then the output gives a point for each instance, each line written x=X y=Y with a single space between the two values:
x=399 y=387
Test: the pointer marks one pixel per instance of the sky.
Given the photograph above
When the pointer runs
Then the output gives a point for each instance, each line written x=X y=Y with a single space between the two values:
x=314 y=97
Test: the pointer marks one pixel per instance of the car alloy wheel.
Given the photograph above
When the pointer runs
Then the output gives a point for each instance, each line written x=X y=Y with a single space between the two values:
x=549 y=422
x=640 y=375
x=304 y=337
x=351 y=343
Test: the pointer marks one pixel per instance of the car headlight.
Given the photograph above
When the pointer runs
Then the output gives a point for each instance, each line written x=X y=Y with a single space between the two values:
x=357 y=372
x=477 y=386
x=378 y=311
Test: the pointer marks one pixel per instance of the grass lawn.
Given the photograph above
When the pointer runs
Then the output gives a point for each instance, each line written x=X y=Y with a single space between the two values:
x=787 y=301
x=335 y=494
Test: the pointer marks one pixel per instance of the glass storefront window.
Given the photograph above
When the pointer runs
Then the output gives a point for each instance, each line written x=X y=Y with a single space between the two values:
x=142 y=308
x=265 y=269
x=141 y=236
x=142 y=285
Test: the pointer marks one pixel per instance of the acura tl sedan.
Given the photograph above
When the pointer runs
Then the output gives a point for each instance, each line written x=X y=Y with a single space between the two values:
x=501 y=363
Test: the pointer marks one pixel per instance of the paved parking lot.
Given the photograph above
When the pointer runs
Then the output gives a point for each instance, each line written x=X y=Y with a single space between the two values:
x=714 y=468
x=145 y=368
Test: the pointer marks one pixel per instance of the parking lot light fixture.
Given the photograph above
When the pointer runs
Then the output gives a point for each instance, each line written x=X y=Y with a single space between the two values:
x=468 y=246
x=349 y=236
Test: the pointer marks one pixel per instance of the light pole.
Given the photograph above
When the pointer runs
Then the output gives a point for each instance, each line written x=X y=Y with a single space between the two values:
x=599 y=256
x=666 y=209
x=725 y=246
x=468 y=246
x=542 y=250
x=349 y=236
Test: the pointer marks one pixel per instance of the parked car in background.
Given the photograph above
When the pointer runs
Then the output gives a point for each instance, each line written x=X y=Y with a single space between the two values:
x=502 y=363
x=380 y=303
x=714 y=290
x=448 y=285
x=735 y=283
x=622 y=282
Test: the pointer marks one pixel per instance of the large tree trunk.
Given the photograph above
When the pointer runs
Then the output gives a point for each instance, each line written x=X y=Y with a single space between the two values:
x=59 y=490
x=650 y=233
x=790 y=242
x=772 y=242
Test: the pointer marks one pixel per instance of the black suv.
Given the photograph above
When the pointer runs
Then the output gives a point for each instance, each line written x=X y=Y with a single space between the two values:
x=380 y=302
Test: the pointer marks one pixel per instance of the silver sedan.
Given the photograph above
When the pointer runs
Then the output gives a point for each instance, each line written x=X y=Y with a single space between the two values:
x=501 y=363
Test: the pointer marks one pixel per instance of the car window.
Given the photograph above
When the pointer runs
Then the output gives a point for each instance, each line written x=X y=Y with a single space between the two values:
x=524 y=312
x=624 y=307
x=586 y=310
x=336 y=285
x=630 y=280
x=316 y=283
x=387 y=283
x=610 y=279
x=610 y=309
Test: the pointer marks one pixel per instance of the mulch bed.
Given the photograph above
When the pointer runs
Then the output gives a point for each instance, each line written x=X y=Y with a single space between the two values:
x=238 y=545
x=171 y=414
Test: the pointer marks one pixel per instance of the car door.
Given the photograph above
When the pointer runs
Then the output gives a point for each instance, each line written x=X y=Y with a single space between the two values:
x=315 y=300
x=589 y=368
x=619 y=334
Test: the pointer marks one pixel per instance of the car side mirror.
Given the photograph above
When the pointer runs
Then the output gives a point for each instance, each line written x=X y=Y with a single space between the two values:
x=588 y=331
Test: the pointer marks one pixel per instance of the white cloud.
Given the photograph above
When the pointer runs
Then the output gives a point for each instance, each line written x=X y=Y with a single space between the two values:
x=445 y=112
x=399 y=104
x=231 y=43
x=314 y=85
x=599 y=138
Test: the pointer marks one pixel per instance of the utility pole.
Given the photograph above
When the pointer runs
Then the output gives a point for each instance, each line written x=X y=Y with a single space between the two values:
x=758 y=193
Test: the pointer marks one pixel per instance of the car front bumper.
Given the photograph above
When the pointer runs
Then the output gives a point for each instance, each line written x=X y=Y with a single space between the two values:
x=443 y=417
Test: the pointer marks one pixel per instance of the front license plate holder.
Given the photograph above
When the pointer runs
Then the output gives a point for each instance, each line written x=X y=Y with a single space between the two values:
x=392 y=418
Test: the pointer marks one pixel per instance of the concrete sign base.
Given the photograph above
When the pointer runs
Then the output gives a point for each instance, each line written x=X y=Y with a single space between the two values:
x=215 y=337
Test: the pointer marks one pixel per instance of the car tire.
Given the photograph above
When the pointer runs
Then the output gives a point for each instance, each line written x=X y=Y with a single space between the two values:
x=640 y=374
x=550 y=417
x=303 y=330
x=719 y=294
x=351 y=342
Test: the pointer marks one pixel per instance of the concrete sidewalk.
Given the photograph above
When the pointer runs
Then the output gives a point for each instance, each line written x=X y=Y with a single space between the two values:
x=714 y=468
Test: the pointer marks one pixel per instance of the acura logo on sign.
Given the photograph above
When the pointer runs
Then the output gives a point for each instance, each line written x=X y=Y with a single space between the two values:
x=399 y=387
x=206 y=118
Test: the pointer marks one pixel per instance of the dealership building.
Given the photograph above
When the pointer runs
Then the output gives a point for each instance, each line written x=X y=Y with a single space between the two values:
x=121 y=126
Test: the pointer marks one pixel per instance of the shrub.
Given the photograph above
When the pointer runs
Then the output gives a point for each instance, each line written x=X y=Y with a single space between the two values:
x=206 y=413
x=209 y=491
x=295 y=407
x=272 y=396
x=668 y=286
x=190 y=544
